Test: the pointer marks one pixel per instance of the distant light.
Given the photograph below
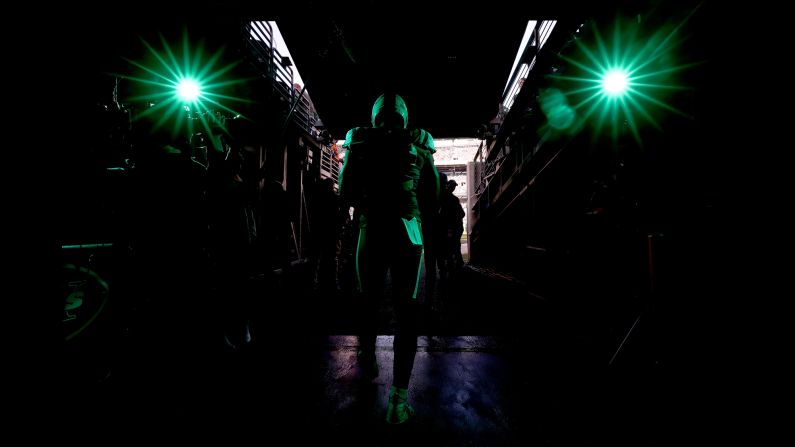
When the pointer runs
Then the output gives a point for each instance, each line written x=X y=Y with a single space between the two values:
x=615 y=82
x=188 y=89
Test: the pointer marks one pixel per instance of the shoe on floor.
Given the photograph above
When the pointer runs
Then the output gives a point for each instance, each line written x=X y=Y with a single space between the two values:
x=398 y=410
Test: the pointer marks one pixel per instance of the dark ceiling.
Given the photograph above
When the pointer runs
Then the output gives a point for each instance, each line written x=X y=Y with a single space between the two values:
x=450 y=68
x=451 y=74
x=449 y=60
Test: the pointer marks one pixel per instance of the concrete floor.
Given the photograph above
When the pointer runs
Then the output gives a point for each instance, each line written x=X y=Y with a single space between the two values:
x=457 y=387
x=498 y=365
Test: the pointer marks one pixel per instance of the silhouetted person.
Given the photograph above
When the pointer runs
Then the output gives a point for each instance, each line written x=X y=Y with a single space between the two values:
x=275 y=234
x=233 y=230
x=431 y=231
x=451 y=215
x=326 y=224
x=438 y=235
x=349 y=239
x=389 y=176
x=169 y=229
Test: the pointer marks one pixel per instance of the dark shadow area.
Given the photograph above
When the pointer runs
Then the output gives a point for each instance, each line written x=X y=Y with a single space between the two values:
x=198 y=275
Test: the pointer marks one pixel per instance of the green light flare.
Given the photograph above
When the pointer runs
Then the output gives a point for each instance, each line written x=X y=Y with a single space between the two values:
x=189 y=90
x=621 y=83
x=615 y=82
x=184 y=87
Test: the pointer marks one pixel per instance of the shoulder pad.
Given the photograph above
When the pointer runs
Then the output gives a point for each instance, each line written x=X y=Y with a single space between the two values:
x=354 y=136
x=423 y=138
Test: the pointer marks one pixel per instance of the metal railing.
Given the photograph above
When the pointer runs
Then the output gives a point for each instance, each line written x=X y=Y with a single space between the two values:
x=329 y=166
x=493 y=154
x=268 y=61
